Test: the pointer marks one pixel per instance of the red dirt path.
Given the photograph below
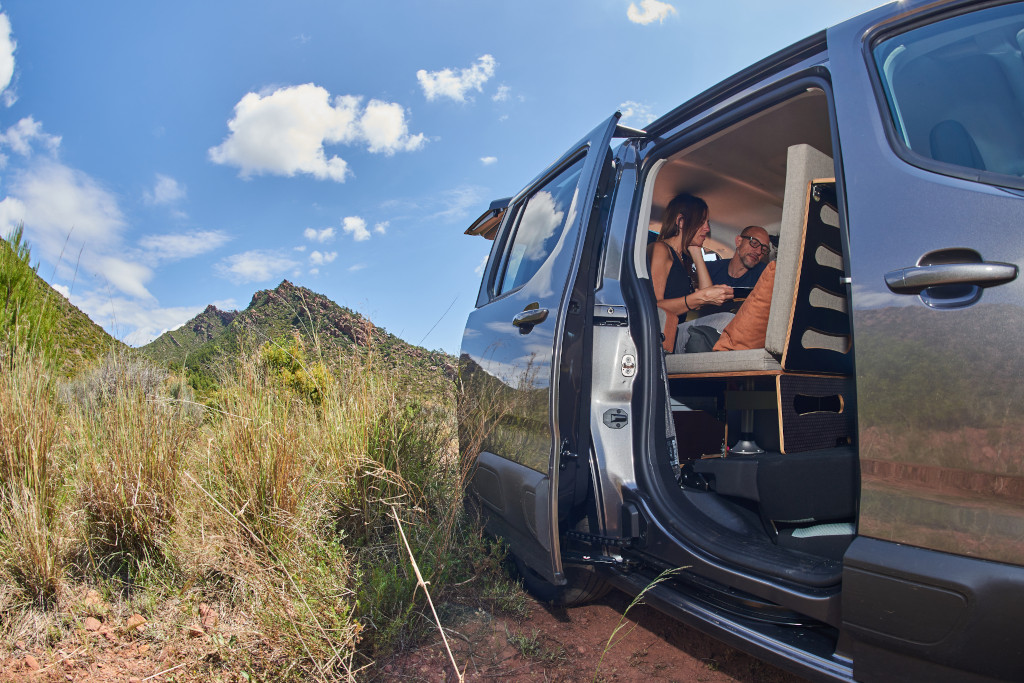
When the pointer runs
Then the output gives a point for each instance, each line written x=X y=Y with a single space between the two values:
x=567 y=645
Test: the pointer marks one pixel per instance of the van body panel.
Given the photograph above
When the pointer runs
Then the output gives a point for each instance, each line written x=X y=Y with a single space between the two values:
x=939 y=388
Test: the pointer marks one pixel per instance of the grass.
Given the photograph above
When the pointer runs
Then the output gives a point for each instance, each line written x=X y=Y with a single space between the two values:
x=531 y=647
x=275 y=498
x=271 y=502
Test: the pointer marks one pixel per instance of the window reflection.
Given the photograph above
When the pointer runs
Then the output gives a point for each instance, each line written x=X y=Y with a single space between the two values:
x=540 y=225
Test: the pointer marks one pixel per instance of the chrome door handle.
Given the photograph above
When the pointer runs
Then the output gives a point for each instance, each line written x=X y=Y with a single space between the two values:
x=916 y=279
x=530 y=317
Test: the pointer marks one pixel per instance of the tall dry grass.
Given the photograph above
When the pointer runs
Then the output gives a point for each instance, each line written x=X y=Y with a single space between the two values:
x=30 y=477
x=130 y=441
x=276 y=501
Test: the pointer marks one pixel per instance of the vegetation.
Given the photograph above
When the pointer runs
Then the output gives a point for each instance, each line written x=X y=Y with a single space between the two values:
x=34 y=316
x=268 y=501
x=293 y=317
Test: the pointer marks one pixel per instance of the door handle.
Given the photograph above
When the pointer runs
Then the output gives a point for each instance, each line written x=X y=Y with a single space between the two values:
x=916 y=279
x=530 y=317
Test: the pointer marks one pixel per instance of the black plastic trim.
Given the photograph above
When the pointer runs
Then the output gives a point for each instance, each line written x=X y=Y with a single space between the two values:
x=917 y=614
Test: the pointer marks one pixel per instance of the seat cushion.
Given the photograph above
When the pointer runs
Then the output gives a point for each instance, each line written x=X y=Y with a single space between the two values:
x=747 y=330
x=751 y=360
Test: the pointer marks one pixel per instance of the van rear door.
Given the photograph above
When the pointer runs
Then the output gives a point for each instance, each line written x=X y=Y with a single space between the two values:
x=520 y=343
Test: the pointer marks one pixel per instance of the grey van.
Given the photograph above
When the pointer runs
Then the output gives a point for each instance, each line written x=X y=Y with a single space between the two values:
x=846 y=502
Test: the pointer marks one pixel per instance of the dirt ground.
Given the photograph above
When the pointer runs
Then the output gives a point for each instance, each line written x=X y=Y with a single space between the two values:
x=572 y=645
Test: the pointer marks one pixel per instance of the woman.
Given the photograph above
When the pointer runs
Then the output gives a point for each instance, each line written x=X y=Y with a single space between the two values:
x=675 y=259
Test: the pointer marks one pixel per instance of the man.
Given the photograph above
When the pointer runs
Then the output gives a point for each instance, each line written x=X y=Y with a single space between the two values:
x=746 y=265
x=742 y=270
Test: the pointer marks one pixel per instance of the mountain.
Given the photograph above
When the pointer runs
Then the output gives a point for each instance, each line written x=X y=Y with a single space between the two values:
x=79 y=340
x=275 y=314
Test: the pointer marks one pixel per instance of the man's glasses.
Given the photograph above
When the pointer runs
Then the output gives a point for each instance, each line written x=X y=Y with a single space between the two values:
x=756 y=243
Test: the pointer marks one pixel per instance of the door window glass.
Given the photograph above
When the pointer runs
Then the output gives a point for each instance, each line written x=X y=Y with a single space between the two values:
x=955 y=91
x=540 y=224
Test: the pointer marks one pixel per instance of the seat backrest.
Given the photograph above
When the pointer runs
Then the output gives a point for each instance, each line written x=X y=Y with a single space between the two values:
x=808 y=325
x=803 y=164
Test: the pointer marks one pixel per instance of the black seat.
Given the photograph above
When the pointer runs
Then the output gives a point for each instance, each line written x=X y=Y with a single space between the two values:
x=950 y=142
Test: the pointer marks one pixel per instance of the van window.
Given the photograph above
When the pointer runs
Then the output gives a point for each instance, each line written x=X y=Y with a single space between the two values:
x=540 y=223
x=955 y=91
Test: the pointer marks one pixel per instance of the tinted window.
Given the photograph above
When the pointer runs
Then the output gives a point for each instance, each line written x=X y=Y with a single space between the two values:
x=955 y=90
x=540 y=223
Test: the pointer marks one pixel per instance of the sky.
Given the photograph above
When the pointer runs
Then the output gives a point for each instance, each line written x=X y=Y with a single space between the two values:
x=164 y=156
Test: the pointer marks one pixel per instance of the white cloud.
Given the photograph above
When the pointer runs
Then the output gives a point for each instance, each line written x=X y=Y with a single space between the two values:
x=175 y=247
x=313 y=235
x=64 y=290
x=458 y=202
x=635 y=114
x=384 y=128
x=146 y=321
x=21 y=136
x=502 y=93
x=448 y=205
x=456 y=83
x=479 y=270
x=70 y=217
x=301 y=247
x=257 y=265
x=356 y=267
x=382 y=227
x=126 y=276
x=284 y=132
x=166 y=190
x=7 y=47
x=320 y=258
x=649 y=11
x=355 y=226
x=487 y=161
x=314 y=271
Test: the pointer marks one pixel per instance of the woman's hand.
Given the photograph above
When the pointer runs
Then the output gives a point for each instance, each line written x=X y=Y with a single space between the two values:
x=715 y=295
x=696 y=252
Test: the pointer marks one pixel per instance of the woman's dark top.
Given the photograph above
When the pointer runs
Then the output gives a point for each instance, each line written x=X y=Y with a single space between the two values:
x=679 y=283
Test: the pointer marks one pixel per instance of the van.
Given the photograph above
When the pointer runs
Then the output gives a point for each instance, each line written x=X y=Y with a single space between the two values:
x=844 y=498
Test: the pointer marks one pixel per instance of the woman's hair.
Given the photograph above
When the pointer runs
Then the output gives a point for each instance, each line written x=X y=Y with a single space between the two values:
x=694 y=211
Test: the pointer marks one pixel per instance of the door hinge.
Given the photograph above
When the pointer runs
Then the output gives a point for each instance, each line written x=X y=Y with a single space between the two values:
x=566 y=454
x=570 y=557
x=600 y=540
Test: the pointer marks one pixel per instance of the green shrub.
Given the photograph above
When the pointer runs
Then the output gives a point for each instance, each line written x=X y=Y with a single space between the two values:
x=25 y=321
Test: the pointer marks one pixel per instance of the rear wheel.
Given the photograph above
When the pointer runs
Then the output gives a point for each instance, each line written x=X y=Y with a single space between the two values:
x=582 y=585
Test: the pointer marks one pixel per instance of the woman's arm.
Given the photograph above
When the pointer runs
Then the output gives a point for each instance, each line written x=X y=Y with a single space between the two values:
x=661 y=263
x=703 y=277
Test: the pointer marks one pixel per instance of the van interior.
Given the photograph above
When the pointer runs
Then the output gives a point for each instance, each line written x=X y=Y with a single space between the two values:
x=767 y=473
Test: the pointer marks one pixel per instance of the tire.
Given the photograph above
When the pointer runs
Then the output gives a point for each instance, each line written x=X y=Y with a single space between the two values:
x=583 y=585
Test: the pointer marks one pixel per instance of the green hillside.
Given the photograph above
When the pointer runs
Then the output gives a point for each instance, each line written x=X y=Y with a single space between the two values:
x=28 y=303
x=277 y=314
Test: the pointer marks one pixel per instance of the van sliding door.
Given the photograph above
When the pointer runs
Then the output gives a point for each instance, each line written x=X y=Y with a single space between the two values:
x=512 y=355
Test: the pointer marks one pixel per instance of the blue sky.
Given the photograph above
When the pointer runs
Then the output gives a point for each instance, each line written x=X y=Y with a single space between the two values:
x=164 y=156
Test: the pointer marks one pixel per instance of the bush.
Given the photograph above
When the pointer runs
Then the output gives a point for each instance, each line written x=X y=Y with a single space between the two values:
x=24 y=320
